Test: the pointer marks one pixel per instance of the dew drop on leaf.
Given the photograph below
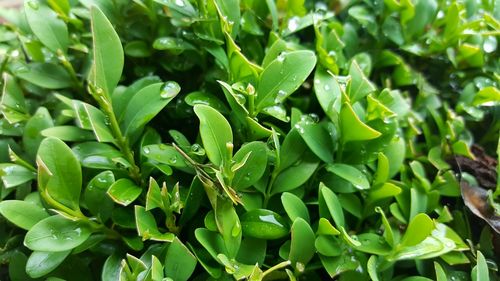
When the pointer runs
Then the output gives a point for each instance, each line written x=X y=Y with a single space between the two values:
x=170 y=89
x=293 y=24
x=33 y=4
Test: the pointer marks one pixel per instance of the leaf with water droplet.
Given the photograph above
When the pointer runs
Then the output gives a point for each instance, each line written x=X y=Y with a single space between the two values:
x=263 y=224
x=108 y=60
x=254 y=167
x=286 y=73
x=351 y=174
x=146 y=104
x=56 y=233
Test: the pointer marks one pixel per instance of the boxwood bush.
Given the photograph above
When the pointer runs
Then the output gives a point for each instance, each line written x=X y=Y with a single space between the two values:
x=250 y=140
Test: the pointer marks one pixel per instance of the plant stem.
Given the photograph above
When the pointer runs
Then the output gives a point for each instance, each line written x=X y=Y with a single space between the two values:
x=276 y=267
x=121 y=141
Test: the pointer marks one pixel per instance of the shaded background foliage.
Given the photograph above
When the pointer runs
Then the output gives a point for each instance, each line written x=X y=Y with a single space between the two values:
x=144 y=140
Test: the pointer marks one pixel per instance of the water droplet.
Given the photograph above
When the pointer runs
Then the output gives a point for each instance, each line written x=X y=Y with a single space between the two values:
x=33 y=4
x=14 y=53
x=240 y=98
x=195 y=147
x=180 y=3
x=247 y=177
x=299 y=128
x=146 y=150
x=326 y=87
x=170 y=89
x=173 y=159
x=313 y=117
x=280 y=96
x=293 y=24
x=281 y=57
x=300 y=266
x=162 y=146
x=490 y=44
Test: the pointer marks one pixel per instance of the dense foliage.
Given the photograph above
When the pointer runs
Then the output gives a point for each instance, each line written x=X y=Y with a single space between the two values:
x=250 y=139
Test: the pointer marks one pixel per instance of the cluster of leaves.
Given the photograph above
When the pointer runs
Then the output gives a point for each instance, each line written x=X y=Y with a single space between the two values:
x=248 y=139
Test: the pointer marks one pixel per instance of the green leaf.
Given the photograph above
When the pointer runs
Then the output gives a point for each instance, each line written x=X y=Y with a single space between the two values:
x=96 y=199
x=420 y=227
x=165 y=154
x=360 y=86
x=302 y=246
x=46 y=75
x=215 y=132
x=254 y=166
x=56 y=234
x=147 y=228
x=328 y=93
x=294 y=207
x=440 y=273
x=124 y=191
x=146 y=104
x=352 y=128
x=229 y=226
x=13 y=104
x=317 y=138
x=283 y=76
x=263 y=224
x=59 y=173
x=99 y=156
x=51 y=30
x=327 y=245
x=199 y=97
x=122 y=98
x=330 y=200
x=22 y=213
x=13 y=175
x=481 y=268
x=31 y=136
x=108 y=57
x=179 y=261
x=351 y=174
x=487 y=96
x=91 y=118
x=68 y=133
x=296 y=175
x=41 y=263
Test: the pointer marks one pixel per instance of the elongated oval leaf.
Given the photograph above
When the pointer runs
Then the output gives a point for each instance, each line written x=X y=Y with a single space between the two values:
x=41 y=263
x=179 y=261
x=146 y=104
x=59 y=172
x=22 y=213
x=302 y=246
x=254 y=167
x=124 y=191
x=294 y=207
x=215 y=133
x=352 y=128
x=56 y=233
x=46 y=75
x=351 y=174
x=283 y=76
x=51 y=30
x=108 y=53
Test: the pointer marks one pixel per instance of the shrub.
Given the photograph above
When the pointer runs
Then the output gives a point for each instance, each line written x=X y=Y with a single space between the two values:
x=252 y=139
